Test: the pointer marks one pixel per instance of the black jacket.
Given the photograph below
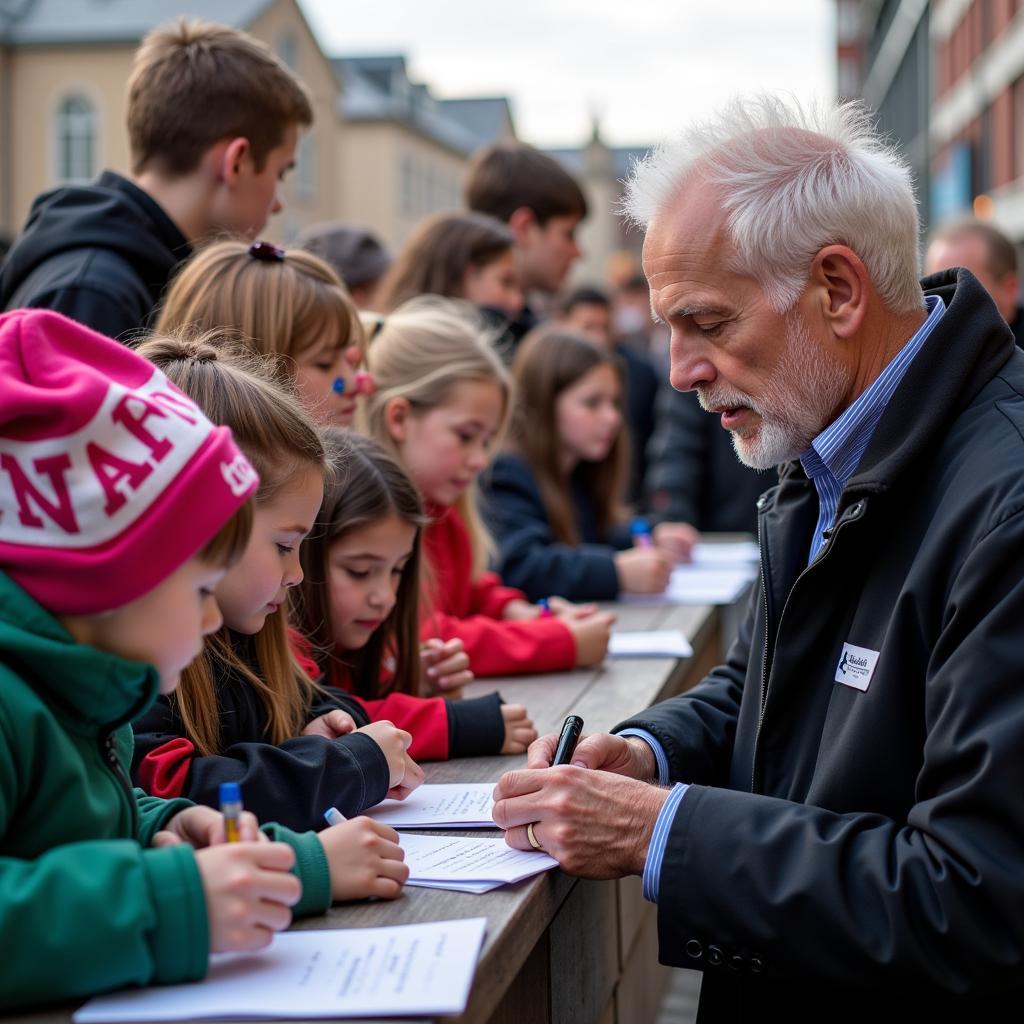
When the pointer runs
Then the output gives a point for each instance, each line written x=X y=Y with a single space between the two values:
x=101 y=254
x=643 y=386
x=693 y=473
x=528 y=555
x=849 y=854
x=292 y=783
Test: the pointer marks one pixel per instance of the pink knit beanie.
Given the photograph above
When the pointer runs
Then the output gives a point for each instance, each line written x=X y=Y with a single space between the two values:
x=110 y=478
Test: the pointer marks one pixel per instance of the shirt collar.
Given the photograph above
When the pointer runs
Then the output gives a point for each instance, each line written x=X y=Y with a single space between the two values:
x=839 y=447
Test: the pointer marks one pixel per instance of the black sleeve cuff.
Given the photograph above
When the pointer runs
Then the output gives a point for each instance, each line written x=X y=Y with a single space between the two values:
x=475 y=726
x=373 y=766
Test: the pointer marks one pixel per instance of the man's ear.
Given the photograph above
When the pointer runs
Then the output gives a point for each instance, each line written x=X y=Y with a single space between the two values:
x=233 y=158
x=397 y=412
x=520 y=223
x=842 y=287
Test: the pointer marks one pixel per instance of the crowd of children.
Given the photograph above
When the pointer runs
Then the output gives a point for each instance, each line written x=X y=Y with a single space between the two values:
x=243 y=528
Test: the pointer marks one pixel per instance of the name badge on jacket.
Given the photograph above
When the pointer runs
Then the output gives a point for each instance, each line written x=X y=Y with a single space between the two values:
x=856 y=666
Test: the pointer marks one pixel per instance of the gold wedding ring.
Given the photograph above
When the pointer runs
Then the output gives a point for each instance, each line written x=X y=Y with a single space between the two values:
x=532 y=837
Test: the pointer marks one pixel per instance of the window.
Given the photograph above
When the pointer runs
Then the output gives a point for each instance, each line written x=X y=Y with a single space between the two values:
x=305 y=169
x=76 y=139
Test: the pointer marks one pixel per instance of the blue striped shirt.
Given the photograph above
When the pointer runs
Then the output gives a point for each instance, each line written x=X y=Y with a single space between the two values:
x=830 y=462
x=836 y=452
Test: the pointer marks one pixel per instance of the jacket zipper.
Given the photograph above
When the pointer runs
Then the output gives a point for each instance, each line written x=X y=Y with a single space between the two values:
x=853 y=513
x=108 y=748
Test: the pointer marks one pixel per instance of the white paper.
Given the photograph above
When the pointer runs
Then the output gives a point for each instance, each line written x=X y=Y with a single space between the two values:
x=473 y=887
x=457 y=859
x=354 y=972
x=441 y=805
x=649 y=643
x=696 y=584
x=737 y=553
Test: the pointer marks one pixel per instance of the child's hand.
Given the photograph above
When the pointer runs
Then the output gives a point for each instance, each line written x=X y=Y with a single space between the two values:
x=405 y=773
x=365 y=860
x=676 y=540
x=249 y=892
x=519 y=730
x=568 y=610
x=445 y=666
x=643 y=570
x=519 y=609
x=591 y=634
x=203 y=826
x=332 y=725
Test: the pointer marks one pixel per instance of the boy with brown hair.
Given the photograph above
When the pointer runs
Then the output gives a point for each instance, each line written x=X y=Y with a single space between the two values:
x=541 y=203
x=213 y=120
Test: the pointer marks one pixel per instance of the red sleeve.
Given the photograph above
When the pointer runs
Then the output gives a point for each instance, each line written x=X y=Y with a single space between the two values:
x=489 y=595
x=164 y=770
x=426 y=718
x=497 y=647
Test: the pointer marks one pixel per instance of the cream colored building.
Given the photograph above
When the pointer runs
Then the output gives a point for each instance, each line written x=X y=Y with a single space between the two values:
x=63 y=69
x=404 y=154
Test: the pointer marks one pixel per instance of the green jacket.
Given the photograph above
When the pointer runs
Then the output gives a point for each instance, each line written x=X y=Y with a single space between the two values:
x=85 y=905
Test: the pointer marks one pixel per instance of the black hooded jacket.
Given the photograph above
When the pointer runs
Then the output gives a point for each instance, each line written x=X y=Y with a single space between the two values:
x=101 y=254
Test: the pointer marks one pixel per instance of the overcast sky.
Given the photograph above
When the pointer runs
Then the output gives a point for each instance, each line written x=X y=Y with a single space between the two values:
x=646 y=66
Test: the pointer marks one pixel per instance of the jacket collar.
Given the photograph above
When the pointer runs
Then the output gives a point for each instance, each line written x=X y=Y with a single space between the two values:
x=99 y=689
x=965 y=350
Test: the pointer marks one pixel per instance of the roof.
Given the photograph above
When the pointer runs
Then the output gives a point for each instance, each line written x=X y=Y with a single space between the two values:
x=52 y=22
x=378 y=88
x=487 y=118
x=623 y=158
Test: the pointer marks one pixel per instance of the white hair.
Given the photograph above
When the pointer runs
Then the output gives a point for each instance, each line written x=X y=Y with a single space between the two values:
x=791 y=182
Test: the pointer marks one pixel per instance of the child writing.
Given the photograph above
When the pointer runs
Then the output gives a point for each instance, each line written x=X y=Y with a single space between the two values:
x=290 y=304
x=553 y=497
x=441 y=404
x=246 y=711
x=359 y=606
x=121 y=508
x=284 y=302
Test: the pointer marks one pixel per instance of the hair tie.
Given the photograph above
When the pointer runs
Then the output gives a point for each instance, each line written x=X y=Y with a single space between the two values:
x=266 y=252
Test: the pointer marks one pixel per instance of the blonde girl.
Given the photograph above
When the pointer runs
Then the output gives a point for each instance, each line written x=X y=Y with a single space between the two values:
x=285 y=303
x=442 y=402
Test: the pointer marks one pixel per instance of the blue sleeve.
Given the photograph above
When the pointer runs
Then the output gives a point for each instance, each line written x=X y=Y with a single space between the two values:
x=657 y=749
x=659 y=838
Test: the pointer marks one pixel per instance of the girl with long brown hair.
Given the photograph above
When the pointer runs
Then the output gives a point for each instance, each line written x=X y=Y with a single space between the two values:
x=246 y=711
x=468 y=256
x=358 y=606
x=553 y=498
x=283 y=303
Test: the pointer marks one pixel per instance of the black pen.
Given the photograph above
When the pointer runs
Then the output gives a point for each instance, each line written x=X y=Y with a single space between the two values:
x=567 y=740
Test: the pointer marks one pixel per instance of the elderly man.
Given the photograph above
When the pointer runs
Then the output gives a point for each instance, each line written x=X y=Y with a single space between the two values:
x=845 y=834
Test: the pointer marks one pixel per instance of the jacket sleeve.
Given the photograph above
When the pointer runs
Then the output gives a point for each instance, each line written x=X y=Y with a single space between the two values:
x=292 y=783
x=93 y=915
x=333 y=699
x=930 y=903
x=529 y=556
x=500 y=647
x=425 y=718
x=696 y=729
x=677 y=459
x=311 y=867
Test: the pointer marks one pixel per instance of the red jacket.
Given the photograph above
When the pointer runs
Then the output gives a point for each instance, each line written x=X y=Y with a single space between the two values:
x=459 y=606
x=439 y=728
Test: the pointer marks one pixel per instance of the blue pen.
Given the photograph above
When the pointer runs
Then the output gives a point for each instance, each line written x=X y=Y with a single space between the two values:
x=334 y=817
x=641 y=533
x=231 y=808
x=545 y=608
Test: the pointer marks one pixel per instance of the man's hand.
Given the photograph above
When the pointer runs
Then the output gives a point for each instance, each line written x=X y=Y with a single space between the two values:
x=595 y=824
x=203 y=826
x=622 y=755
x=331 y=725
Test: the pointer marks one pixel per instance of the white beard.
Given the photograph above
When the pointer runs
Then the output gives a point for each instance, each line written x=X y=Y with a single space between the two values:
x=796 y=402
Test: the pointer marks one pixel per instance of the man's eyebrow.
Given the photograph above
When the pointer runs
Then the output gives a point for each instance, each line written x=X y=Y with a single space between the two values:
x=684 y=311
